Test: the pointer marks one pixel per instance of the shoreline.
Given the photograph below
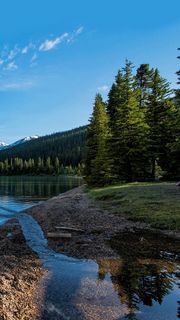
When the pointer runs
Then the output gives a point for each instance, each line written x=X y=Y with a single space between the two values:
x=74 y=209
x=21 y=270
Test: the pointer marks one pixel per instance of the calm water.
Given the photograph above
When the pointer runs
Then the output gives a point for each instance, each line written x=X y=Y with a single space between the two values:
x=18 y=193
x=143 y=284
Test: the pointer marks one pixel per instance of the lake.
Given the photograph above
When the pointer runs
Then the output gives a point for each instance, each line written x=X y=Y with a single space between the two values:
x=143 y=284
x=20 y=192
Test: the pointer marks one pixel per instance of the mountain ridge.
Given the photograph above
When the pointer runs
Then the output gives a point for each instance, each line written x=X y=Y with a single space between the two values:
x=4 y=145
x=68 y=146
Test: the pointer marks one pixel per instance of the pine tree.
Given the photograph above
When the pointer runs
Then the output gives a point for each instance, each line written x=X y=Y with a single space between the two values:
x=173 y=168
x=57 y=166
x=159 y=114
x=48 y=165
x=177 y=91
x=98 y=165
x=143 y=83
x=128 y=127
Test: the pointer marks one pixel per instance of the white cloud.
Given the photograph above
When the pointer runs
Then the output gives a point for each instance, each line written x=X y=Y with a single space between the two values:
x=34 y=57
x=75 y=34
x=27 y=48
x=16 y=86
x=51 y=44
x=11 y=66
x=13 y=53
x=103 y=88
x=8 y=55
x=79 y=30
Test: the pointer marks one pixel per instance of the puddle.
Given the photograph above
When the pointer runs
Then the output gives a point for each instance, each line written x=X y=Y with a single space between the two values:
x=141 y=285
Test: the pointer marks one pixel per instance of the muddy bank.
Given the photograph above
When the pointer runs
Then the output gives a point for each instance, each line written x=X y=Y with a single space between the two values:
x=20 y=271
x=75 y=209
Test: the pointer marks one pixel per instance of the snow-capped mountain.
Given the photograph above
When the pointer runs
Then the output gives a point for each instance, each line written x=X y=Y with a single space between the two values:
x=3 y=145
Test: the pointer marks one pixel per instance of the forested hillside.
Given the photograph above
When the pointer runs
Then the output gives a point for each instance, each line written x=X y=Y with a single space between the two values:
x=55 y=153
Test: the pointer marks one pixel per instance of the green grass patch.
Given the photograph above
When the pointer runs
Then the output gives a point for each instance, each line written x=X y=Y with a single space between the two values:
x=154 y=203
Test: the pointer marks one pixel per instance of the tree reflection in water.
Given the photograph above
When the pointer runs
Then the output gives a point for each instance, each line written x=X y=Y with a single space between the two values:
x=143 y=275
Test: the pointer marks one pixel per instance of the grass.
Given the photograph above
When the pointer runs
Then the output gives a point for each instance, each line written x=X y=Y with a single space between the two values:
x=154 y=203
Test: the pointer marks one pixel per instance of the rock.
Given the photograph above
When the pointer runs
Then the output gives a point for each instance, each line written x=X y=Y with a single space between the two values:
x=58 y=235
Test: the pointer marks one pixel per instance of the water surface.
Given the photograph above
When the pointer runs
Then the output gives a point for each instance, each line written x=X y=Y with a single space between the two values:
x=143 y=284
x=20 y=192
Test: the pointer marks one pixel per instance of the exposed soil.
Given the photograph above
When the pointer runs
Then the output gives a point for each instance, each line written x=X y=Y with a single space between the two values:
x=75 y=209
x=20 y=271
x=20 y=268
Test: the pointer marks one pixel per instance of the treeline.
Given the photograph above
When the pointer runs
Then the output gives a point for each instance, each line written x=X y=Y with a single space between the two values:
x=18 y=166
x=135 y=135
x=68 y=147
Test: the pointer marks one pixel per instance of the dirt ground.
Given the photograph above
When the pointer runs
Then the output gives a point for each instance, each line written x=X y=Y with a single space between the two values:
x=20 y=271
x=20 y=268
x=75 y=209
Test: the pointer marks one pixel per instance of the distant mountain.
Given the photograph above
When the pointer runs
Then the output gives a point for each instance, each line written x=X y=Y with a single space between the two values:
x=4 y=145
x=29 y=138
x=69 y=146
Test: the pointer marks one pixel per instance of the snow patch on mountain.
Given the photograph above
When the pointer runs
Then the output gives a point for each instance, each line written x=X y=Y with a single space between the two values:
x=3 y=145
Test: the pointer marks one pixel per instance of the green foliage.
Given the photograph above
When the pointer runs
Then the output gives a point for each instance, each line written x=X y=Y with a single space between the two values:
x=128 y=127
x=18 y=166
x=142 y=133
x=97 y=163
x=68 y=147
x=160 y=114
x=177 y=96
x=47 y=153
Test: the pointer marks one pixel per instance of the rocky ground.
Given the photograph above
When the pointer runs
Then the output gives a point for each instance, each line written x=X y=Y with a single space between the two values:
x=20 y=268
x=75 y=209
x=20 y=271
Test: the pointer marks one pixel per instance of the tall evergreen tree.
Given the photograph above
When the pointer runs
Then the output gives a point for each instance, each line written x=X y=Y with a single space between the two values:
x=143 y=83
x=159 y=116
x=173 y=170
x=98 y=170
x=128 y=127
x=177 y=97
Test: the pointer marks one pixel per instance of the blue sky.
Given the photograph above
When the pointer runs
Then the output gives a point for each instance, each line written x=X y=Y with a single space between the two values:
x=55 y=55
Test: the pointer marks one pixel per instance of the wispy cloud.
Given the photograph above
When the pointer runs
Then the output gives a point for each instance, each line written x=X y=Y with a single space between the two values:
x=26 y=49
x=103 y=88
x=79 y=30
x=34 y=57
x=51 y=44
x=75 y=34
x=13 y=53
x=11 y=66
x=33 y=50
x=22 y=85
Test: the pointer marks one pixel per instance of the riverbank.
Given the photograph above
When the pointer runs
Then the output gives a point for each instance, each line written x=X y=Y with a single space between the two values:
x=74 y=209
x=96 y=233
x=20 y=271
x=80 y=210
